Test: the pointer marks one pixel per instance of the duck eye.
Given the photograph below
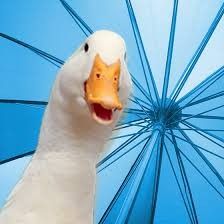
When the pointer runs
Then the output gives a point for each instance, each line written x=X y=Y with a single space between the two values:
x=86 y=47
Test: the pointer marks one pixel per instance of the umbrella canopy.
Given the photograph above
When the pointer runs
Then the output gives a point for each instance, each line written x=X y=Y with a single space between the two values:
x=165 y=163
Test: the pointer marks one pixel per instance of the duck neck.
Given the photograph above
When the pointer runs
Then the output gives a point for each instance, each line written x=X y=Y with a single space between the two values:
x=70 y=145
x=65 y=131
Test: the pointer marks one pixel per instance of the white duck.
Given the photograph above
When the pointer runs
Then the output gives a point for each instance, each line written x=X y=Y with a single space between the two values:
x=92 y=87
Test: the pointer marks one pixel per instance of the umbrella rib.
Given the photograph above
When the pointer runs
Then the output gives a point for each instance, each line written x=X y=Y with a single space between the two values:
x=142 y=118
x=206 y=150
x=142 y=90
x=188 y=159
x=205 y=116
x=207 y=98
x=17 y=157
x=157 y=177
x=37 y=51
x=207 y=180
x=123 y=154
x=211 y=78
x=136 y=101
x=186 y=105
x=140 y=46
x=146 y=112
x=142 y=101
x=190 y=129
x=184 y=183
x=130 y=123
x=150 y=105
x=124 y=144
x=128 y=135
x=79 y=21
x=142 y=107
x=210 y=97
x=47 y=59
x=181 y=82
x=29 y=102
x=185 y=180
x=204 y=158
x=197 y=129
x=169 y=52
x=195 y=115
x=128 y=204
x=76 y=21
x=124 y=183
x=178 y=184
x=133 y=111
x=139 y=114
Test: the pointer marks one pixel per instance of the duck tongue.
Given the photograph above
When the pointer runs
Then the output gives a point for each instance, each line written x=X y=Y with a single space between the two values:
x=101 y=112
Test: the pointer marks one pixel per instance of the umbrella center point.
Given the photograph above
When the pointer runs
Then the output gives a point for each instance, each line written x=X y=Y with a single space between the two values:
x=167 y=116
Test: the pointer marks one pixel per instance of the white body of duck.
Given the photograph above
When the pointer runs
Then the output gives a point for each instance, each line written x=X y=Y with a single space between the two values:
x=58 y=187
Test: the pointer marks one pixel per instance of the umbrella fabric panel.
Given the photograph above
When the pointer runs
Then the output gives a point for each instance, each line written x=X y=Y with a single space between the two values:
x=194 y=174
x=132 y=115
x=203 y=106
x=104 y=198
x=155 y=34
x=20 y=126
x=170 y=206
x=210 y=86
x=209 y=126
x=127 y=146
x=188 y=33
x=211 y=58
x=124 y=139
x=45 y=25
x=24 y=75
x=204 y=197
x=198 y=158
x=143 y=205
x=204 y=142
x=121 y=205
x=10 y=173
x=206 y=116
x=192 y=23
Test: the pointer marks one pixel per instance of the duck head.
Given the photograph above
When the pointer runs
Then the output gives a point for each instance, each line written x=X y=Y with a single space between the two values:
x=95 y=81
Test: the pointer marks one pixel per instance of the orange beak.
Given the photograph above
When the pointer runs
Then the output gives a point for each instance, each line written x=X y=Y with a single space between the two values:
x=101 y=90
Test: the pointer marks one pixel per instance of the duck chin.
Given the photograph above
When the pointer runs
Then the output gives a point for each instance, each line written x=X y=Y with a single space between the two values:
x=100 y=120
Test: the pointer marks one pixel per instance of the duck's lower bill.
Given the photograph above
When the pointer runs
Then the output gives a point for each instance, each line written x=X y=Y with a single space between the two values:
x=101 y=114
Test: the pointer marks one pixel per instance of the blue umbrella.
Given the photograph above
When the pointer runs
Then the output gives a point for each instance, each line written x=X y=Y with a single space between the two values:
x=165 y=163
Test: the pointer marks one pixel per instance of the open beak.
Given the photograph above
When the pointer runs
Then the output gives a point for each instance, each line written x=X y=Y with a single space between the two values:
x=101 y=90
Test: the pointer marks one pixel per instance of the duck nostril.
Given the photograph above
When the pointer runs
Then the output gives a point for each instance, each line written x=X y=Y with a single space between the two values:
x=84 y=86
x=98 y=75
